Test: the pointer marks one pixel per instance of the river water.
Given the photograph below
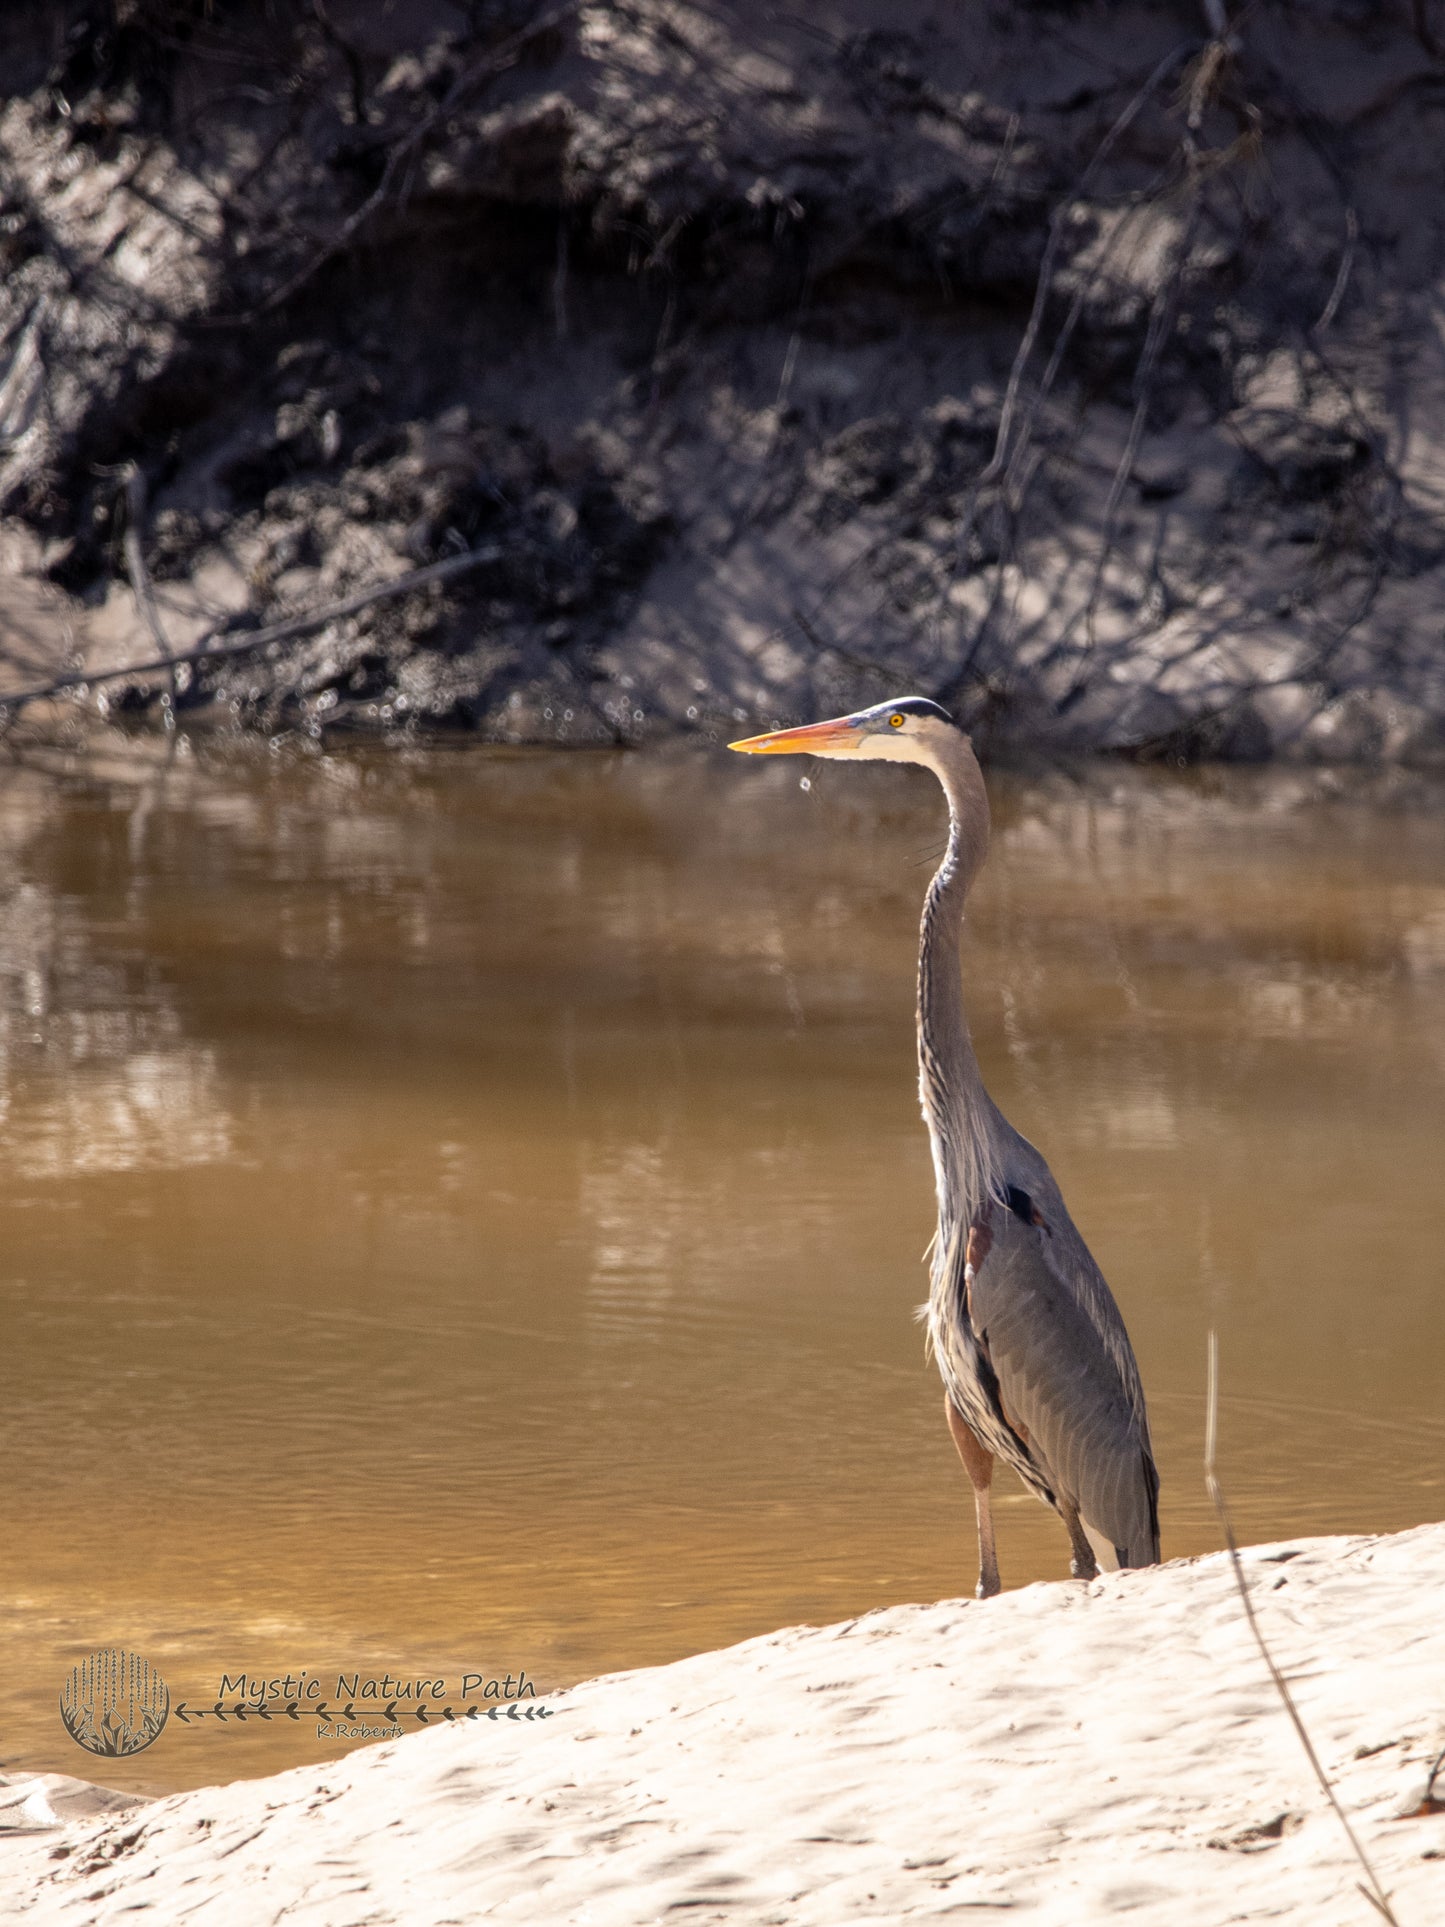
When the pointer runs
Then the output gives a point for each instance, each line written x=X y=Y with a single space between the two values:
x=462 y=1212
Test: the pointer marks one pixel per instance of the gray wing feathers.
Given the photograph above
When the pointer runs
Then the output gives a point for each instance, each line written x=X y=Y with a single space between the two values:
x=1066 y=1371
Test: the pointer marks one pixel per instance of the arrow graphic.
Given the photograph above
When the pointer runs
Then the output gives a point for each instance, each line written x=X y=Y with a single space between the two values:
x=393 y=1712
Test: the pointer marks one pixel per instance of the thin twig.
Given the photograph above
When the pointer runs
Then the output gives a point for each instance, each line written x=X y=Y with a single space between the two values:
x=1057 y=226
x=208 y=650
x=140 y=575
x=1374 y=1892
x=1424 y=32
x=1011 y=454
x=1161 y=321
x=1087 y=285
x=492 y=63
x=824 y=647
x=1007 y=454
x=559 y=282
x=1342 y=278
x=1429 y=1803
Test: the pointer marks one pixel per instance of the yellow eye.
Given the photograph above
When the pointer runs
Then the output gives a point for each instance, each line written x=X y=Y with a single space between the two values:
x=895 y=722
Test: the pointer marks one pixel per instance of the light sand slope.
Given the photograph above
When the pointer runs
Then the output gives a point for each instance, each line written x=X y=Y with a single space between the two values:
x=1061 y=1754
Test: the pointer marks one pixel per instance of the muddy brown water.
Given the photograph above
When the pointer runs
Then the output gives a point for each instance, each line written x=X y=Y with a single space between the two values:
x=462 y=1212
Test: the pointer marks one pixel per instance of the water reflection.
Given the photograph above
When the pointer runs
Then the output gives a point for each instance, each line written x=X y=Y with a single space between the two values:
x=468 y=1207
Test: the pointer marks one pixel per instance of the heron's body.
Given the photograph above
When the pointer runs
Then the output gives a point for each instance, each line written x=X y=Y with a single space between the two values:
x=1036 y=1364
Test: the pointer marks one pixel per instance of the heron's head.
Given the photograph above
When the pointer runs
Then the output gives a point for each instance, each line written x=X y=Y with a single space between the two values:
x=912 y=730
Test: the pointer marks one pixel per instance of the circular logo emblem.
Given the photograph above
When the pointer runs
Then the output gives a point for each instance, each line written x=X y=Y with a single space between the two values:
x=114 y=1703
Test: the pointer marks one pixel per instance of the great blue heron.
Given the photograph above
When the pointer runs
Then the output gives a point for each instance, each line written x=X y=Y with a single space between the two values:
x=1037 y=1367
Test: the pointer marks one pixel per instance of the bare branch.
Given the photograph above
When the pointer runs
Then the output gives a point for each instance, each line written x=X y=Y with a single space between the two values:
x=1347 y=261
x=1374 y=1892
x=495 y=62
x=1057 y=227
x=1161 y=321
x=208 y=650
x=135 y=562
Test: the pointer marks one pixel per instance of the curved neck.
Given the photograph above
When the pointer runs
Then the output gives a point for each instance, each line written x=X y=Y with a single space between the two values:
x=955 y=1104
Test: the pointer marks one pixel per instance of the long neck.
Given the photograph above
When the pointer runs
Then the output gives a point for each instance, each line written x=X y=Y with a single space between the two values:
x=955 y=1105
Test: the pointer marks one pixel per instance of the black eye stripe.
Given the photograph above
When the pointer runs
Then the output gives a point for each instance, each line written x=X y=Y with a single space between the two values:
x=914 y=706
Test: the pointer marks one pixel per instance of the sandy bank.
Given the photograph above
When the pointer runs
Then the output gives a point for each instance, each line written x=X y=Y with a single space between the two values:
x=1062 y=1754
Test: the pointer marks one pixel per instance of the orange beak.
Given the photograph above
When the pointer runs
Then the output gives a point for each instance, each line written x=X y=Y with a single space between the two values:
x=816 y=738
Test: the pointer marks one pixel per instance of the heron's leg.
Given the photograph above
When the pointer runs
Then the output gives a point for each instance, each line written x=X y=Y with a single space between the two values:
x=1083 y=1565
x=978 y=1464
